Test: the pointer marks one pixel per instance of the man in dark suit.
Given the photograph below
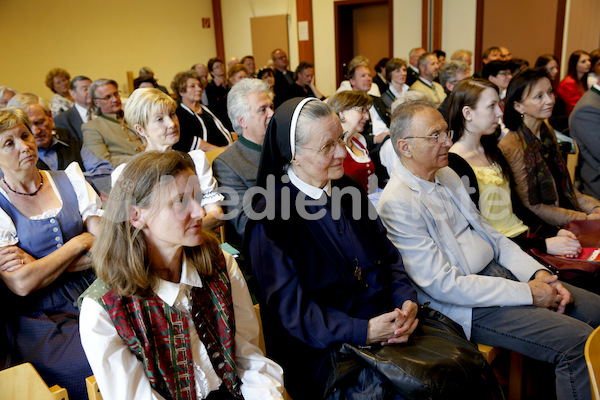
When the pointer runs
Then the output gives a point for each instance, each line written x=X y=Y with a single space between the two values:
x=284 y=78
x=413 y=65
x=584 y=125
x=80 y=113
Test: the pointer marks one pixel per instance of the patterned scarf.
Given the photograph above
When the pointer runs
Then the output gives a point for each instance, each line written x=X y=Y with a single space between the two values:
x=159 y=334
x=541 y=182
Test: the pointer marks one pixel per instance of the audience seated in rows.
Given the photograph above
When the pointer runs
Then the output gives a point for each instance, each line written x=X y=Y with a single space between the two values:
x=470 y=272
x=108 y=135
x=56 y=148
x=47 y=222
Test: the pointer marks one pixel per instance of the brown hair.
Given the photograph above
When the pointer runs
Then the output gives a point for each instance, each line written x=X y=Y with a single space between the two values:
x=120 y=253
x=56 y=72
x=179 y=84
x=347 y=99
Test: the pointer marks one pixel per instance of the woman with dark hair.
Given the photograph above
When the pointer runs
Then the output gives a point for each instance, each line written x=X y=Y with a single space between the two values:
x=473 y=113
x=575 y=83
x=559 y=119
x=541 y=177
x=170 y=315
x=352 y=107
x=327 y=274
x=199 y=126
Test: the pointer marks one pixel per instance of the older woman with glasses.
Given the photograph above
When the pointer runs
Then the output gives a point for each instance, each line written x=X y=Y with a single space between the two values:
x=324 y=280
x=352 y=108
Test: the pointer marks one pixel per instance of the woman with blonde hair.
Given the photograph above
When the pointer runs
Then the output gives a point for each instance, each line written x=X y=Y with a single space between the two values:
x=152 y=115
x=170 y=315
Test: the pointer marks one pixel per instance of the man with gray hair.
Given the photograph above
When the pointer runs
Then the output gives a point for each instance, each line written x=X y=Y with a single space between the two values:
x=108 y=135
x=428 y=71
x=470 y=272
x=250 y=108
x=56 y=148
x=450 y=74
x=412 y=73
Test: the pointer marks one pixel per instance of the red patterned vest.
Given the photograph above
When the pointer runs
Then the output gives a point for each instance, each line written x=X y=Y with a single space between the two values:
x=158 y=334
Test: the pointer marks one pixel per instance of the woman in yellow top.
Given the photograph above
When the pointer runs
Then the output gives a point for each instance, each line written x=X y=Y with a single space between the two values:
x=473 y=115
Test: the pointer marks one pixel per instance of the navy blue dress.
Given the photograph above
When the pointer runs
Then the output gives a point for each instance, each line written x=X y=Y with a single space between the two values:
x=43 y=327
x=321 y=280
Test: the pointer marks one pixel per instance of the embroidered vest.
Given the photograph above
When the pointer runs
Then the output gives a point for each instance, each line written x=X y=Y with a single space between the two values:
x=158 y=334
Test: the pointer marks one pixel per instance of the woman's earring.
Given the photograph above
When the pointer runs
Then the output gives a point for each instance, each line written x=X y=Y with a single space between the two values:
x=521 y=116
x=342 y=118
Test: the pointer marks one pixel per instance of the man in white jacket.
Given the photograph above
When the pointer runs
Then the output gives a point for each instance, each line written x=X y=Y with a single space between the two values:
x=472 y=273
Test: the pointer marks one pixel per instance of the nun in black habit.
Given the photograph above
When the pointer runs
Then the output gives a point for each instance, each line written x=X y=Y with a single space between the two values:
x=326 y=270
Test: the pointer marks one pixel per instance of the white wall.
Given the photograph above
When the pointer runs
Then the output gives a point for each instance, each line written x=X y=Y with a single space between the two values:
x=407 y=27
x=458 y=25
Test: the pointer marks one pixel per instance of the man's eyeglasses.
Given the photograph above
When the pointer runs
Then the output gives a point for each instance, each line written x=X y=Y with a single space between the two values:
x=108 y=97
x=328 y=148
x=440 y=137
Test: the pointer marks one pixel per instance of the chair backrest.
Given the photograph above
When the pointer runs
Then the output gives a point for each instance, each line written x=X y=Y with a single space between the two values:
x=592 y=358
x=92 y=388
x=212 y=154
x=23 y=382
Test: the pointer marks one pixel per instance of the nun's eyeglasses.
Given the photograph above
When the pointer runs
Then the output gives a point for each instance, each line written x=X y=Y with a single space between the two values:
x=328 y=148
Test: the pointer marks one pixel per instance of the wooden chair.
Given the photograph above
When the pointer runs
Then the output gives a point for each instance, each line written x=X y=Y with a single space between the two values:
x=515 y=380
x=92 y=388
x=212 y=154
x=592 y=359
x=23 y=382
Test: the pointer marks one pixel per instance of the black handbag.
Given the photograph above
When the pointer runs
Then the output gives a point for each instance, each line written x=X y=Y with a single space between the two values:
x=438 y=362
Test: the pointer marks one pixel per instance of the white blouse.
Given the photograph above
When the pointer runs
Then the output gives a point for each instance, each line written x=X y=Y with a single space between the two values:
x=87 y=199
x=207 y=181
x=120 y=375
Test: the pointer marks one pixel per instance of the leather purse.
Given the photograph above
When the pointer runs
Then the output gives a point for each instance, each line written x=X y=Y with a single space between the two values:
x=438 y=362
